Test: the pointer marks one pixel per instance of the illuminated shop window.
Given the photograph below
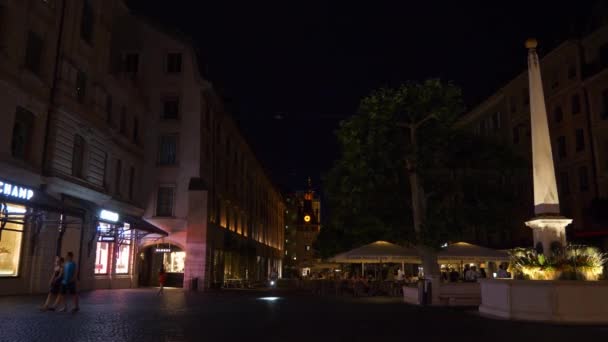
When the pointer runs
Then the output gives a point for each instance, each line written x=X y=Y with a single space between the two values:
x=102 y=258
x=123 y=259
x=123 y=256
x=10 y=242
x=113 y=248
x=175 y=262
x=104 y=248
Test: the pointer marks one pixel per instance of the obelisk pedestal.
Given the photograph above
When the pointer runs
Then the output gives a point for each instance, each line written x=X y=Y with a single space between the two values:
x=547 y=230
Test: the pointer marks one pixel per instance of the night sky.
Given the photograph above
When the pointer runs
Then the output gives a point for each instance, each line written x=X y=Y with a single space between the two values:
x=292 y=70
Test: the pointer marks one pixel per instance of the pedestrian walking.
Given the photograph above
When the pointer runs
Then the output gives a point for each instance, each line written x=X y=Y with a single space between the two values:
x=54 y=284
x=162 y=278
x=68 y=284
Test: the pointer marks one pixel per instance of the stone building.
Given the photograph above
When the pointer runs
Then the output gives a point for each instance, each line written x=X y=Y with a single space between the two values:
x=205 y=188
x=72 y=145
x=575 y=77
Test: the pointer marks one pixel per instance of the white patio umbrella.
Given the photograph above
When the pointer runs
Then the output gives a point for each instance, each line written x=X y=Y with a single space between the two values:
x=466 y=252
x=377 y=253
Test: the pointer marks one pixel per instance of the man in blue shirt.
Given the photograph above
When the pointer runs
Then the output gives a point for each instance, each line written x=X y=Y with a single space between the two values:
x=68 y=283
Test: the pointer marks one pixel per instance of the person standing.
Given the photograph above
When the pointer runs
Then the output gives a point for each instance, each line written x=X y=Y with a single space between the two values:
x=162 y=278
x=502 y=272
x=68 y=283
x=454 y=275
x=466 y=272
x=54 y=284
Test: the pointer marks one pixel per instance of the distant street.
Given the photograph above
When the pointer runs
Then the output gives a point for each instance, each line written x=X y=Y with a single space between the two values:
x=140 y=315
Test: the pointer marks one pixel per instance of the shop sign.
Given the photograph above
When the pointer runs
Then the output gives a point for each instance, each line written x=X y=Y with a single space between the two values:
x=108 y=215
x=162 y=250
x=15 y=191
x=107 y=238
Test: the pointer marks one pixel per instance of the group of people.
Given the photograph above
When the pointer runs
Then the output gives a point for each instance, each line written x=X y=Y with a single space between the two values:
x=61 y=284
x=471 y=274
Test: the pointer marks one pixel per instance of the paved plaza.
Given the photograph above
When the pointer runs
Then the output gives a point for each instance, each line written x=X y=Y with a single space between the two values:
x=141 y=315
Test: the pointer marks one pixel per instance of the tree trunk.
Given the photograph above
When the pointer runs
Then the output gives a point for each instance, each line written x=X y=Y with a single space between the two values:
x=428 y=255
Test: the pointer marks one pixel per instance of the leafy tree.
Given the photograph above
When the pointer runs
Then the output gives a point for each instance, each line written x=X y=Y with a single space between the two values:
x=406 y=174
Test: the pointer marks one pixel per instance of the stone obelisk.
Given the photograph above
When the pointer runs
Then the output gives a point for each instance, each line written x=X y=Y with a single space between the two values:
x=548 y=226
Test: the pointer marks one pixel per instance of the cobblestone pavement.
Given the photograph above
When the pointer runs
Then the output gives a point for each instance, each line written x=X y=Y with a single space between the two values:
x=141 y=315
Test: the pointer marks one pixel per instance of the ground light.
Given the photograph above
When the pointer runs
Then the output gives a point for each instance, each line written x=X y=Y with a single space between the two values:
x=269 y=299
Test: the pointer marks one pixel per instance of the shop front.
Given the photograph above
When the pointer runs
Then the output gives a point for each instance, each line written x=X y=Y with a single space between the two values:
x=116 y=240
x=166 y=255
x=31 y=223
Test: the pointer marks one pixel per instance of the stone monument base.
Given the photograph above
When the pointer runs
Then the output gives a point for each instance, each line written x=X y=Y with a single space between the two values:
x=561 y=301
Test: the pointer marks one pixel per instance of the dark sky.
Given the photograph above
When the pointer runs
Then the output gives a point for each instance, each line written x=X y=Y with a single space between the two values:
x=294 y=69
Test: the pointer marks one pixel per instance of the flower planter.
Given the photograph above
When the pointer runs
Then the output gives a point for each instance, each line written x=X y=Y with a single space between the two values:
x=560 y=301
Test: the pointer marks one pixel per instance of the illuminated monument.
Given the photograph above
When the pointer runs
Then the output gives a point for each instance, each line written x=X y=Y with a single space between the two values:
x=549 y=228
x=550 y=299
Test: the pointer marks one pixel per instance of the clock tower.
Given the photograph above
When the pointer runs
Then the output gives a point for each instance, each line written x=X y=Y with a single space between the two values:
x=302 y=228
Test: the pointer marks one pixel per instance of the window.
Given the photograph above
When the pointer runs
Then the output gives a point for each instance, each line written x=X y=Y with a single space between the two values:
x=174 y=62
x=131 y=182
x=564 y=184
x=167 y=151
x=131 y=63
x=170 y=108
x=87 y=21
x=109 y=109
x=114 y=244
x=175 y=262
x=606 y=156
x=571 y=71
x=33 y=52
x=102 y=257
x=10 y=244
x=123 y=255
x=558 y=114
x=135 y=130
x=583 y=178
x=123 y=120
x=496 y=121
x=78 y=156
x=22 y=133
x=603 y=54
x=604 y=114
x=576 y=104
x=104 y=249
x=513 y=104
x=117 y=176
x=561 y=147
x=555 y=81
x=580 y=140
x=81 y=86
x=164 y=201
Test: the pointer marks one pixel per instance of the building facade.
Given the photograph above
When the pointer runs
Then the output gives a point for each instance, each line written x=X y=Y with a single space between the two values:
x=302 y=226
x=205 y=188
x=575 y=80
x=71 y=149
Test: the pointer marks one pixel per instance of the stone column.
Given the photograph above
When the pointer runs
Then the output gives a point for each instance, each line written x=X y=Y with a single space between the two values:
x=548 y=225
x=196 y=235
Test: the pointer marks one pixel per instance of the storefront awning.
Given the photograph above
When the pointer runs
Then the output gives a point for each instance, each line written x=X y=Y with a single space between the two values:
x=44 y=201
x=139 y=224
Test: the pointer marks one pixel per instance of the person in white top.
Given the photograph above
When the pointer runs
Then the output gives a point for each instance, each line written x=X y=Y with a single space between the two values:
x=471 y=274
